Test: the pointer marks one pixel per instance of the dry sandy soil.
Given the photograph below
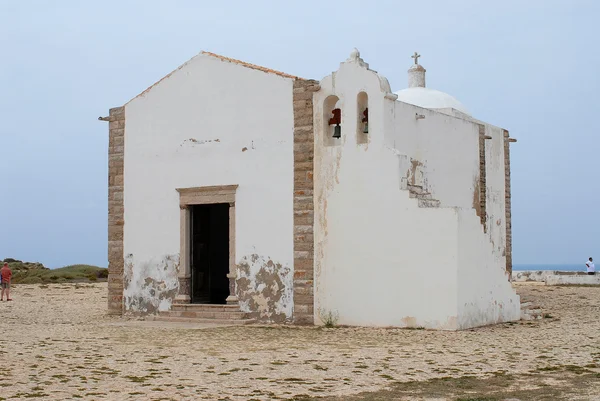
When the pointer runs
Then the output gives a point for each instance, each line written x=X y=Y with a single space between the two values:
x=57 y=343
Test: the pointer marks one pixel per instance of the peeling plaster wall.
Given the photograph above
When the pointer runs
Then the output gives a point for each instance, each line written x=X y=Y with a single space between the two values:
x=380 y=260
x=263 y=289
x=150 y=285
x=495 y=183
x=446 y=148
x=485 y=295
x=212 y=122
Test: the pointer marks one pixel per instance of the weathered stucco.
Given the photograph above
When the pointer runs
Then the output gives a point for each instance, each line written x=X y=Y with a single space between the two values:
x=264 y=289
x=408 y=231
x=150 y=285
x=373 y=242
x=556 y=277
x=401 y=225
x=212 y=122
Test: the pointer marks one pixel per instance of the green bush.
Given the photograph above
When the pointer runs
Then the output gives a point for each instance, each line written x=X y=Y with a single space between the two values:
x=63 y=274
x=31 y=280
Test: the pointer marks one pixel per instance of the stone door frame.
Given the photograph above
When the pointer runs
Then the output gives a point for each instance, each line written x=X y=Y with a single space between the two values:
x=204 y=196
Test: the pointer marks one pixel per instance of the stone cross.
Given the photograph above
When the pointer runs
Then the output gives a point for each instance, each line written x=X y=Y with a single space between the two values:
x=416 y=57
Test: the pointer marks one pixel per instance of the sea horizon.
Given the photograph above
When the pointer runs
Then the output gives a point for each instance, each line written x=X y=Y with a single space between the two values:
x=547 y=266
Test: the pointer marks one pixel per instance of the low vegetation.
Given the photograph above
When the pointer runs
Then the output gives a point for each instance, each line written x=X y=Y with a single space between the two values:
x=37 y=273
x=566 y=382
x=329 y=318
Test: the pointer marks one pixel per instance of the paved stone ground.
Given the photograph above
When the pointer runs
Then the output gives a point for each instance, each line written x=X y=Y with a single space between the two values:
x=57 y=343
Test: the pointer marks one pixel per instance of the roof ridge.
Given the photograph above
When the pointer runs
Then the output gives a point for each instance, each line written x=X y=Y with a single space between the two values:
x=162 y=79
x=222 y=58
x=250 y=65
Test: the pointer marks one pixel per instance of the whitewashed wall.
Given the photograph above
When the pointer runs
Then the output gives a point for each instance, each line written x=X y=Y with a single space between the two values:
x=495 y=191
x=447 y=148
x=379 y=259
x=485 y=295
x=382 y=260
x=211 y=122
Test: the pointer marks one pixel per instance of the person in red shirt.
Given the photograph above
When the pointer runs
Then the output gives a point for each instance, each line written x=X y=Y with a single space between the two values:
x=6 y=274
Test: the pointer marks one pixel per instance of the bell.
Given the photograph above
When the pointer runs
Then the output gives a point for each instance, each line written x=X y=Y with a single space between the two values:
x=337 y=131
x=366 y=129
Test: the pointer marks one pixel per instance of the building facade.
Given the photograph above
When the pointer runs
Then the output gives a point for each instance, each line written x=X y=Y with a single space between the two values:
x=293 y=199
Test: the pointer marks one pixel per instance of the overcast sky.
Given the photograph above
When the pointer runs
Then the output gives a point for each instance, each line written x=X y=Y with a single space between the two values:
x=531 y=67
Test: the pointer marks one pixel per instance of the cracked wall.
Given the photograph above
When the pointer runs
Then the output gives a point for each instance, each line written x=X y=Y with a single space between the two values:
x=150 y=285
x=265 y=289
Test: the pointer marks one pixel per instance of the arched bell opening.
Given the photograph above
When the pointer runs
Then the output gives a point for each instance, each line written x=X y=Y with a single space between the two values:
x=362 y=123
x=332 y=121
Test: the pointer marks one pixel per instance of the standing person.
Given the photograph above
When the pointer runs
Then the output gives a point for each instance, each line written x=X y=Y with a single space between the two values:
x=591 y=269
x=6 y=274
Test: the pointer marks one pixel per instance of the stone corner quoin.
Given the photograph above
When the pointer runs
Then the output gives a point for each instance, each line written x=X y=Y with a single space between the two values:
x=303 y=200
x=116 y=221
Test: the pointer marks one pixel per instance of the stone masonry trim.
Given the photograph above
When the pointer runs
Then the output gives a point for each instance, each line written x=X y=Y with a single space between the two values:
x=482 y=179
x=303 y=201
x=116 y=145
x=507 y=203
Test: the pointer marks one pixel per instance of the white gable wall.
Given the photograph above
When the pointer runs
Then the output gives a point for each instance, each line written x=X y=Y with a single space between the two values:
x=210 y=123
x=382 y=260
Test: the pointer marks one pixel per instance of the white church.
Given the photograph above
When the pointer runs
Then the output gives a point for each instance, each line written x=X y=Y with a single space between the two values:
x=241 y=193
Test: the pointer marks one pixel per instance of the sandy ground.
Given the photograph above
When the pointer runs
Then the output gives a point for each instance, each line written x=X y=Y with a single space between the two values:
x=57 y=343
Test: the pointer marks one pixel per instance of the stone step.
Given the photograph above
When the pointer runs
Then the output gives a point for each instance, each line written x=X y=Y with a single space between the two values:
x=206 y=307
x=204 y=314
x=162 y=318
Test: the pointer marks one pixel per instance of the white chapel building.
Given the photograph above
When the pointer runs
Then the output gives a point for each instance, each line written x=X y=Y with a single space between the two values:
x=236 y=191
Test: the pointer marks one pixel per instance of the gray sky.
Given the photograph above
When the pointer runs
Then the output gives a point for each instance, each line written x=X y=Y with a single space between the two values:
x=531 y=67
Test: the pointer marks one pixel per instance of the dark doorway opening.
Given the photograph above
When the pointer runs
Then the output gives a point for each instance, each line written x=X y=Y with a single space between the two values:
x=209 y=262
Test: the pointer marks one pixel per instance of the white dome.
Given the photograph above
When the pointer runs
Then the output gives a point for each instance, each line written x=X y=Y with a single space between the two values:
x=430 y=99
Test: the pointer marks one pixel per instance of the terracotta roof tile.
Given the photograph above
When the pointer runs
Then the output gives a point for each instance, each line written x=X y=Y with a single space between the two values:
x=253 y=66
